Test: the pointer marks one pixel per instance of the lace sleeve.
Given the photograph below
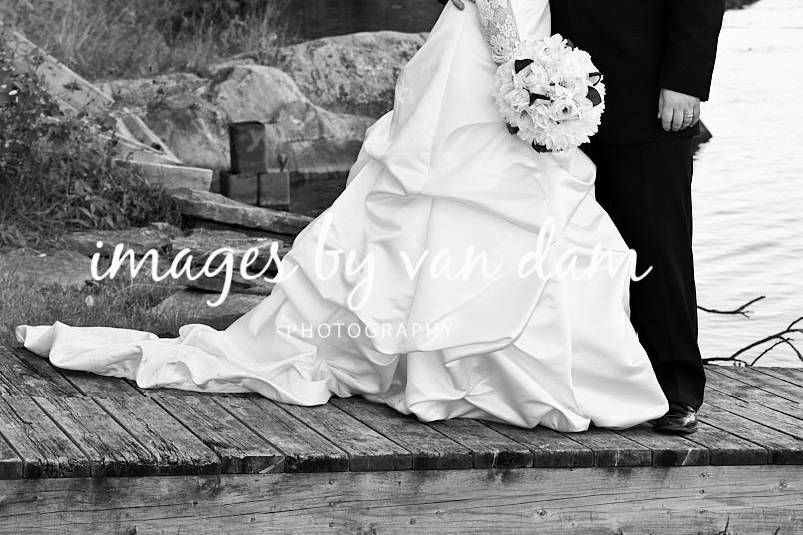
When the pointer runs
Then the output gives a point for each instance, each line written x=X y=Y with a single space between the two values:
x=498 y=24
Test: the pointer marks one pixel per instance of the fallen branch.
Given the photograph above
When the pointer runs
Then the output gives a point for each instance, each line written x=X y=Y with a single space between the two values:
x=777 y=339
x=741 y=311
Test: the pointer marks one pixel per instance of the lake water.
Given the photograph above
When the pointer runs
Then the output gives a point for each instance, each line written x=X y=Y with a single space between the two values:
x=748 y=189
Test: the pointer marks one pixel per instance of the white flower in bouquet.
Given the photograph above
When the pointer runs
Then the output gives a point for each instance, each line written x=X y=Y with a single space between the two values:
x=551 y=94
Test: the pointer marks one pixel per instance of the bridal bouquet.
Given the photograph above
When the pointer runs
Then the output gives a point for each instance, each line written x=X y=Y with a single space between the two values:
x=550 y=94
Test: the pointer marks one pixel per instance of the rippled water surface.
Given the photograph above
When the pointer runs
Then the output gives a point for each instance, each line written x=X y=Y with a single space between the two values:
x=749 y=181
x=748 y=189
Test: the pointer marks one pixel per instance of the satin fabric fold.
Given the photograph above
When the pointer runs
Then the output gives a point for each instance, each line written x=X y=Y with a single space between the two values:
x=438 y=173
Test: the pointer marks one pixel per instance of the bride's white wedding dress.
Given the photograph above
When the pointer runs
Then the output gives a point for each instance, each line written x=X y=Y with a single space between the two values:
x=439 y=172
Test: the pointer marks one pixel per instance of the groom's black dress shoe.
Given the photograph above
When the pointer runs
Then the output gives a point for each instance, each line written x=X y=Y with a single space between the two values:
x=681 y=420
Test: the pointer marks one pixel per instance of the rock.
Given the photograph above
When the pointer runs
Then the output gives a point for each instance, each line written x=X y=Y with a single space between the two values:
x=202 y=242
x=238 y=285
x=214 y=69
x=353 y=73
x=139 y=240
x=191 y=307
x=68 y=269
x=194 y=128
x=192 y=115
x=139 y=94
x=214 y=207
x=316 y=141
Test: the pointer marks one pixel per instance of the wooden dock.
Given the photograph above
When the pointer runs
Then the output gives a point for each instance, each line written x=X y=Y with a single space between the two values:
x=87 y=454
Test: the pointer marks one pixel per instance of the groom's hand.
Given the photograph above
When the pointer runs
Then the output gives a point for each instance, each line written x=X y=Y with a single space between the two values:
x=678 y=111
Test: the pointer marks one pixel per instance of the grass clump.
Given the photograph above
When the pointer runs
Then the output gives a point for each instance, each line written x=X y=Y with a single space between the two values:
x=121 y=302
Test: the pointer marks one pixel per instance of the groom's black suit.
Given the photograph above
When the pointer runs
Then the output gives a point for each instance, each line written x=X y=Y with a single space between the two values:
x=642 y=46
x=643 y=172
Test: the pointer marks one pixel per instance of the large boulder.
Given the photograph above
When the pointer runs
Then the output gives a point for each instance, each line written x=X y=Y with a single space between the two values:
x=316 y=141
x=353 y=73
x=138 y=94
x=194 y=129
x=192 y=115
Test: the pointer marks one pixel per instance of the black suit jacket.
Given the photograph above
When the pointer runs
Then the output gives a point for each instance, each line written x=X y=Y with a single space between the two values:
x=641 y=46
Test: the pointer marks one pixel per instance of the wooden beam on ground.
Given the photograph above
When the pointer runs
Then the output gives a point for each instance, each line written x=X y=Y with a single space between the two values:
x=579 y=501
x=209 y=206
x=77 y=95
x=173 y=176
x=62 y=83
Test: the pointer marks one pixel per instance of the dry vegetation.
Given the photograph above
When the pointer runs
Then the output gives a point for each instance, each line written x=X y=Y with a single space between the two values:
x=104 y=39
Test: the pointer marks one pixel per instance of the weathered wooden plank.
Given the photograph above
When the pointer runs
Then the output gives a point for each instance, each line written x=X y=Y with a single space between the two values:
x=489 y=448
x=754 y=394
x=677 y=500
x=61 y=83
x=367 y=449
x=215 y=207
x=10 y=462
x=789 y=375
x=241 y=451
x=667 y=450
x=175 y=449
x=112 y=451
x=550 y=449
x=781 y=448
x=612 y=449
x=757 y=413
x=768 y=383
x=90 y=384
x=44 y=449
x=431 y=450
x=23 y=373
x=304 y=449
x=726 y=449
x=76 y=94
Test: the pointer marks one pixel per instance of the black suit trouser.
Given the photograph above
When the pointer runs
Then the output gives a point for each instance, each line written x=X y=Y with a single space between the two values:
x=646 y=189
